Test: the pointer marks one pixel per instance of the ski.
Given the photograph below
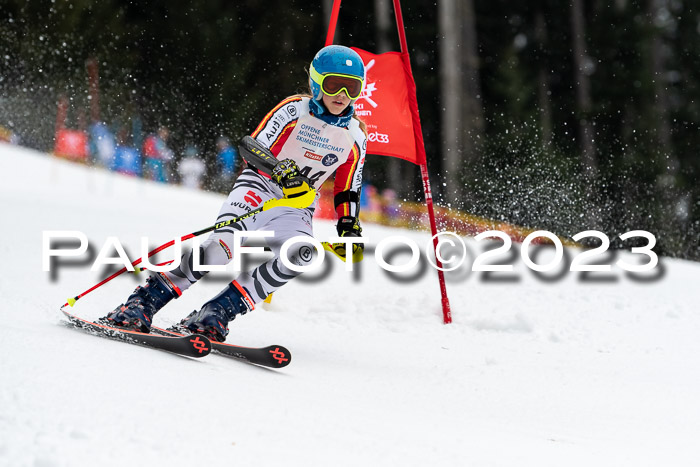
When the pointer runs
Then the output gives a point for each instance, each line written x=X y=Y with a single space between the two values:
x=190 y=346
x=272 y=356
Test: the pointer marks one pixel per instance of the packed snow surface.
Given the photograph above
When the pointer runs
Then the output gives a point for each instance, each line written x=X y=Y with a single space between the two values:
x=558 y=369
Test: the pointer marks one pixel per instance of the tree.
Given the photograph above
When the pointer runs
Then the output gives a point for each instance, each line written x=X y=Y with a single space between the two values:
x=543 y=89
x=462 y=119
x=582 y=87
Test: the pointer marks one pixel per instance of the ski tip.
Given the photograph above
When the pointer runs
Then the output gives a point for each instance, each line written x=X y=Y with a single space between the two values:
x=200 y=345
x=279 y=356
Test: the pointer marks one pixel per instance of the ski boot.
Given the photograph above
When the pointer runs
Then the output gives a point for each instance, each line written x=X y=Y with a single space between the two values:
x=212 y=320
x=137 y=313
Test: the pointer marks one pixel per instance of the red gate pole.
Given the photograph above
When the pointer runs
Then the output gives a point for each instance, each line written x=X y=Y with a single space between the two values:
x=94 y=87
x=61 y=113
x=420 y=151
x=418 y=135
x=333 y=22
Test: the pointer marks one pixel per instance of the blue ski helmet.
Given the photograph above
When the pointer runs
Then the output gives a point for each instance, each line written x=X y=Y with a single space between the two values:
x=336 y=59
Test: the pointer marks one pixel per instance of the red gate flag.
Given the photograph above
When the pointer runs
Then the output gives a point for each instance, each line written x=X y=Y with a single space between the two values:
x=383 y=106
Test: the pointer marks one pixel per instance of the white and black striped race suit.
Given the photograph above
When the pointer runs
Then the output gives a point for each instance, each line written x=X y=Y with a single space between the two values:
x=320 y=150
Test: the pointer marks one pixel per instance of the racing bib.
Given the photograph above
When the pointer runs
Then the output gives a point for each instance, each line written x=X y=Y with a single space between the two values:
x=318 y=148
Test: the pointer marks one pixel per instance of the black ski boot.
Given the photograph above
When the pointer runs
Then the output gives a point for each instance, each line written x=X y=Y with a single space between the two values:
x=137 y=313
x=212 y=320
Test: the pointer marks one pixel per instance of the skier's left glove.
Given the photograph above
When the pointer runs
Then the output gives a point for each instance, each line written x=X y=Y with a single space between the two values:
x=286 y=175
x=348 y=226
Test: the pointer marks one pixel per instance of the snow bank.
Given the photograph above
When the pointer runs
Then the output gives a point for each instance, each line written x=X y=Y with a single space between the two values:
x=561 y=369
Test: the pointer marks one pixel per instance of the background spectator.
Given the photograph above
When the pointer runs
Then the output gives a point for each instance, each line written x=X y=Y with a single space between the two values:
x=157 y=156
x=103 y=145
x=127 y=158
x=191 y=168
x=226 y=162
x=391 y=206
x=8 y=136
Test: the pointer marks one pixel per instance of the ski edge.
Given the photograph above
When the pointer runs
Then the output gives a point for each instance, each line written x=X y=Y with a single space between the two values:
x=196 y=348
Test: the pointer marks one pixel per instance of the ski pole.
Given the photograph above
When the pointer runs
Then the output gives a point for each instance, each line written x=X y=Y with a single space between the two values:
x=299 y=202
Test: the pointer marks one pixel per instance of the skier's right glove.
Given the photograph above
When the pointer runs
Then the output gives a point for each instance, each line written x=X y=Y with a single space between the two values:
x=286 y=175
x=284 y=170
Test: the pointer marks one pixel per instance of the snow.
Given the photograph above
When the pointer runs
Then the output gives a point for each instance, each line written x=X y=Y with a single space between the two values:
x=543 y=371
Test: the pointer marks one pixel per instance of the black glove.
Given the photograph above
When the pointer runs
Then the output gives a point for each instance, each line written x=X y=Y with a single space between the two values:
x=286 y=175
x=284 y=170
x=349 y=226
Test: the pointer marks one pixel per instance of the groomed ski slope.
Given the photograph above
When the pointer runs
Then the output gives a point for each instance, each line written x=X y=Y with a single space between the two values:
x=532 y=372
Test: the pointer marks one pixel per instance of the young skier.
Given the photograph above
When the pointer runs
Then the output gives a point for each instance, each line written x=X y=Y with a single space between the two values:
x=311 y=137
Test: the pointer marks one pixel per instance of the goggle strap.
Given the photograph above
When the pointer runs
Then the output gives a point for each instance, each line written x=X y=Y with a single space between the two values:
x=315 y=75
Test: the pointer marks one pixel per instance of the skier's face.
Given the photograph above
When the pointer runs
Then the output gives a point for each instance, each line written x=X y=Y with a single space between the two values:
x=336 y=104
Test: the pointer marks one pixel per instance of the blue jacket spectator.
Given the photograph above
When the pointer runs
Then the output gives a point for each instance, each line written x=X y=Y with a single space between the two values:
x=226 y=163
x=103 y=145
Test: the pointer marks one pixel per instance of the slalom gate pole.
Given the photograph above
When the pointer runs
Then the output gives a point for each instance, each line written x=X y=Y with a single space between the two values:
x=298 y=202
x=420 y=151
x=418 y=136
x=333 y=22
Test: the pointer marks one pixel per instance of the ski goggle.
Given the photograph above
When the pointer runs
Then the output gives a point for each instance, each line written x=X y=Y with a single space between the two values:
x=335 y=83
